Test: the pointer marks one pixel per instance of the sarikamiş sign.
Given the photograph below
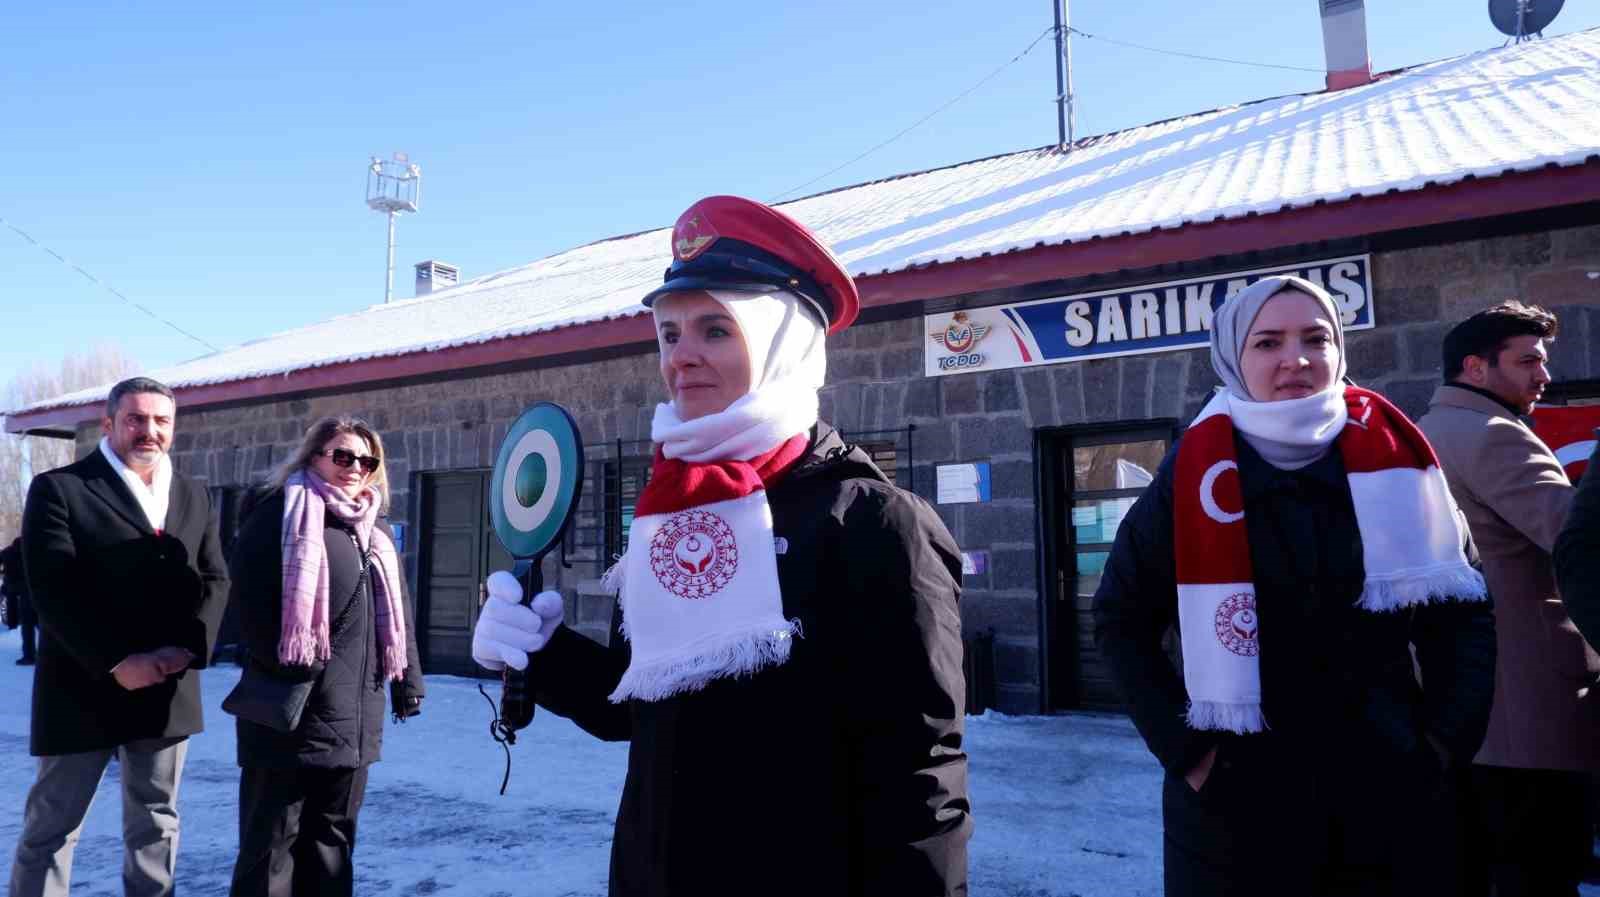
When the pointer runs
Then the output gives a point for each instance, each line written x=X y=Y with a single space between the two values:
x=1159 y=317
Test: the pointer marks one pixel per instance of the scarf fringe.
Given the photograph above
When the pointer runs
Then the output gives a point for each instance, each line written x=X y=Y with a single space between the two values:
x=741 y=654
x=1410 y=588
x=394 y=662
x=1216 y=716
x=611 y=580
x=299 y=645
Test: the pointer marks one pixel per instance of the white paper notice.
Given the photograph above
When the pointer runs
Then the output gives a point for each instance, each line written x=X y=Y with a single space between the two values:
x=957 y=483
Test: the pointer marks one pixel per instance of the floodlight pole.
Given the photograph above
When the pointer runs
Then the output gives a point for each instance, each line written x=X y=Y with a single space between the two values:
x=388 y=280
x=393 y=187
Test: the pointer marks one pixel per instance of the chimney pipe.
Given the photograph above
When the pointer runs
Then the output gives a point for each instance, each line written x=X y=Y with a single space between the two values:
x=435 y=275
x=1344 y=40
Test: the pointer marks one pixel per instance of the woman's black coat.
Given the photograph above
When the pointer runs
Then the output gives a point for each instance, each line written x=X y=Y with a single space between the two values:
x=840 y=772
x=1577 y=554
x=1346 y=716
x=342 y=726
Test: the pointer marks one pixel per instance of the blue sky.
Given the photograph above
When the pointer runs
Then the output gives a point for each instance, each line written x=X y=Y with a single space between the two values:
x=209 y=161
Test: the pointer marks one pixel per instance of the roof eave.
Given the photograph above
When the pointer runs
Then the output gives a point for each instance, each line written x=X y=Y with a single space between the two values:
x=1432 y=204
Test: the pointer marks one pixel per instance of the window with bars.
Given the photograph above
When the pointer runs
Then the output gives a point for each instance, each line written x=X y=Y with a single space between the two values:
x=600 y=532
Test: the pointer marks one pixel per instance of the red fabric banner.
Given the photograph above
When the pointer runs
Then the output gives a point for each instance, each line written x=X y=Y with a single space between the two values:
x=1569 y=430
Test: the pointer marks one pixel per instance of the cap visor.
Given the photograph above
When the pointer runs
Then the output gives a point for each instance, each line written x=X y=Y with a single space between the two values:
x=697 y=283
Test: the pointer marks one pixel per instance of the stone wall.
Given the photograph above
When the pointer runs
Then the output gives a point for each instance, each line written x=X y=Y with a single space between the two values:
x=876 y=382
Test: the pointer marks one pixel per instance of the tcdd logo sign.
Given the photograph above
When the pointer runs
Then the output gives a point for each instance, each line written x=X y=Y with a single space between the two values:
x=959 y=362
x=959 y=337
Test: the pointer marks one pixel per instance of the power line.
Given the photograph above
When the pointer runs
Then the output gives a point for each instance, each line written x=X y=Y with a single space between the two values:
x=102 y=284
x=1259 y=65
x=914 y=125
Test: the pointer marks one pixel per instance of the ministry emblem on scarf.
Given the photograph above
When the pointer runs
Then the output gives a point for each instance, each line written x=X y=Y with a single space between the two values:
x=1236 y=624
x=694 y=554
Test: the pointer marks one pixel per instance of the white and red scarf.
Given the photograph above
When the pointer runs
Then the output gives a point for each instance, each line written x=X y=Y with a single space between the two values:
x=699 y=584
x=1411 y=535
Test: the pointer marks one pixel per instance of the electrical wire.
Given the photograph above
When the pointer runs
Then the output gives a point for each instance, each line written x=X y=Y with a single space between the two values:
x=102 y=284
x=1068 y=28
x=914 y=125
x=1123 y=43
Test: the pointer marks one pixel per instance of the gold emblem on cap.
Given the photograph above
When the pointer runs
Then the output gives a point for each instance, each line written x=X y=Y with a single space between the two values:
x=687 y=247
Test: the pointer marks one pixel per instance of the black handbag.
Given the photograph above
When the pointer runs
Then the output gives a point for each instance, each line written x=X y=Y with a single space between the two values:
x=268 y=700
x=273 y=701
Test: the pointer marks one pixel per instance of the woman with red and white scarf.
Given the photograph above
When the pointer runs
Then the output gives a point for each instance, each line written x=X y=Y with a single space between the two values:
x=1302 y=540
x=788 y=662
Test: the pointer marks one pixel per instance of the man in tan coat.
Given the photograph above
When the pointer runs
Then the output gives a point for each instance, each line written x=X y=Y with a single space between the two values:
x=1528 y=787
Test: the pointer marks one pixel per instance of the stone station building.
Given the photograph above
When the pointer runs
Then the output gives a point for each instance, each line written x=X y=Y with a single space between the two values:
x=1440 y=217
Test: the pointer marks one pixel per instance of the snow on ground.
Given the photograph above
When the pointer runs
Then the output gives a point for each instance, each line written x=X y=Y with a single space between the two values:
x=1065 y=805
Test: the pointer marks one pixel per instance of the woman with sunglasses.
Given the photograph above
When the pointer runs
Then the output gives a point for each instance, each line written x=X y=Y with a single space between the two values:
x=320 y=596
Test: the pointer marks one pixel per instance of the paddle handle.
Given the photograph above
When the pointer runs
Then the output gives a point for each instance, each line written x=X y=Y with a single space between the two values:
x=516 y=689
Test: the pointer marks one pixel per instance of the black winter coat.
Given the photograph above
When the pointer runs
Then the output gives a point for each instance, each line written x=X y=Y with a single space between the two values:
x=1342 y=790
x=105 y=586
x=14 y=587
x=840 y=772
x=342 y=726
x=1577 y=554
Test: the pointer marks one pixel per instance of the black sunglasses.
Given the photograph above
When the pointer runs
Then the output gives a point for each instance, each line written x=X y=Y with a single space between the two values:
x=345 y=458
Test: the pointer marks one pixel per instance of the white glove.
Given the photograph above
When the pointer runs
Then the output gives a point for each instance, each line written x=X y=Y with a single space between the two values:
x=507 y=632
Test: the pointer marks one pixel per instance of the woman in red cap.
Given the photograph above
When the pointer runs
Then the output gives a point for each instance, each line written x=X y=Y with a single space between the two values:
x=791 y=679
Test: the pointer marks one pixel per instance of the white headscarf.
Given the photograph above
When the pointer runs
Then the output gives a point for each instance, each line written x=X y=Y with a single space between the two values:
x=788 y=363
x=1292 y=433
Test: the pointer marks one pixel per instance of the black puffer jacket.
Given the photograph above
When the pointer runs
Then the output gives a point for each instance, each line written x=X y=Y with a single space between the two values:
x=1337 y=681
x=840 y=772
x=342 y=726
x=1577 y=554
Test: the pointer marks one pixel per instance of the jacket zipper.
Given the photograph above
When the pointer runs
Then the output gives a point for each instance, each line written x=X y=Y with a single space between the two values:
x=361 y=694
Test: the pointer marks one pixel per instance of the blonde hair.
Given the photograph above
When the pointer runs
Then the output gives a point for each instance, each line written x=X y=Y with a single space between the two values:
x=320 y=434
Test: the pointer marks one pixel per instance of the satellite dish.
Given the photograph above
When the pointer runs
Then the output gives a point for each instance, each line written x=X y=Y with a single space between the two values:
x=1520 y=18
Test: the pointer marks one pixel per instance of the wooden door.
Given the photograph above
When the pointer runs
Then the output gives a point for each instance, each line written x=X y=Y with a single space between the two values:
x=459 y=551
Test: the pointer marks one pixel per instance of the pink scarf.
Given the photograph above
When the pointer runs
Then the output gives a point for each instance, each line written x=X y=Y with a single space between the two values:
x=304 y=639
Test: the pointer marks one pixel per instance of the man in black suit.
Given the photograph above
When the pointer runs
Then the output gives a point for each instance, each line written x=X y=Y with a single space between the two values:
x=128 y=580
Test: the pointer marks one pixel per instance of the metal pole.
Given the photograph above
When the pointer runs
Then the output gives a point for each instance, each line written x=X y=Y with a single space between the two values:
x=1066 y=53
x=1522 y=9
x=388 y=280
x=1061 y=110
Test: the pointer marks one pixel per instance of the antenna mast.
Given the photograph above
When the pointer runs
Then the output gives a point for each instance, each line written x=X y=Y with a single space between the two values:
x=393 y=186
x=1064 y=115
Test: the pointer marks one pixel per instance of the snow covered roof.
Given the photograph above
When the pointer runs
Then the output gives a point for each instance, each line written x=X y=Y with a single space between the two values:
x=1510 y=109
